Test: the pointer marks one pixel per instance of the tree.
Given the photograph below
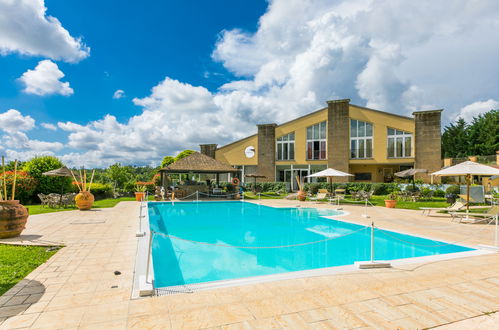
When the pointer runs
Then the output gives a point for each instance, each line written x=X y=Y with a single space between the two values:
x=184 y=154
x=484 y=134
x=455 y=139
x=167 y=161
x=118 y=174
x=479 y=138
x=47 y=184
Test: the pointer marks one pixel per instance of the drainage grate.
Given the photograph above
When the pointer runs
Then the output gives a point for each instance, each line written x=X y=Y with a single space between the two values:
x=173 y=290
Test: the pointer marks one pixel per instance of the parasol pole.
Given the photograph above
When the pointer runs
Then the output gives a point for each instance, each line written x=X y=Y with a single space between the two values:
x=468 y=179
x=15 y=179
x=4 y=178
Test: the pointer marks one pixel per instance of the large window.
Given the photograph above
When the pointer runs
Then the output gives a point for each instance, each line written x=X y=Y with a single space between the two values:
x=399 y=143
x=286 y=147
x=316 y=141
x=361 y=139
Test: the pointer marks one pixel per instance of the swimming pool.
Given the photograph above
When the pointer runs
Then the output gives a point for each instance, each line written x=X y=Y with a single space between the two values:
x=213 y=241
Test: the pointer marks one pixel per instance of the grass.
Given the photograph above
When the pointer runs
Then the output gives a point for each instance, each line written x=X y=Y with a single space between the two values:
x=103 y=203
x=18 y=261
x=265 y=195
x=409 y=205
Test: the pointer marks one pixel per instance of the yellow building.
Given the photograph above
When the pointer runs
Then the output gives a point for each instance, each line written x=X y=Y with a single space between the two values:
x=368 y=143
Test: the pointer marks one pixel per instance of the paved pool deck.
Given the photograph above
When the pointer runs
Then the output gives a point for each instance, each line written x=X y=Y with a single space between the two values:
x=77 y=287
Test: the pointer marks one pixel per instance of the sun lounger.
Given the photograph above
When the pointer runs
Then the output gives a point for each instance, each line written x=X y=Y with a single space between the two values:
x=454 y=207
x=321 y=194
x=476 y=217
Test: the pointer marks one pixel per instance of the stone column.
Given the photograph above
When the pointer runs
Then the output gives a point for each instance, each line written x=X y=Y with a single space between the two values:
x=428 y=144
x=266 y=151
x=338 y=136
x=208 y=149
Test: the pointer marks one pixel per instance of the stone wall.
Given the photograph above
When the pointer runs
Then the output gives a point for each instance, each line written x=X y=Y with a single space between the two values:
x=338 y=137
x=428 y=142
x=208 y=149
x=266 y=151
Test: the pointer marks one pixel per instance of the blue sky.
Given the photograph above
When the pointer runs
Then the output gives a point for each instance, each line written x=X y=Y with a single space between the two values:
x=190 y=72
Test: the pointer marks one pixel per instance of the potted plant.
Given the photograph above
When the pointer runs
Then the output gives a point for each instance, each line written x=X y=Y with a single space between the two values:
x=140 y=191
x=13 y=215
x=84 y=199
x=391 y=200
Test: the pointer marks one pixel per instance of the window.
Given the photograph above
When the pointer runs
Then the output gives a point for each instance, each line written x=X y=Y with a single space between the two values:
x=399 y=143
x=316 y=141
x=362 y=176
x=361 y=139
x=286 y=147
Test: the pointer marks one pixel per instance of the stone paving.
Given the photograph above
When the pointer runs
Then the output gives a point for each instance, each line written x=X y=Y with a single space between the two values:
x=77 y=287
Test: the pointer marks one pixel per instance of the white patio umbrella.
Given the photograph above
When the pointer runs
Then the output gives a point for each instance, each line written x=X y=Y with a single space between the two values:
x=329 y=173
x=467 y=169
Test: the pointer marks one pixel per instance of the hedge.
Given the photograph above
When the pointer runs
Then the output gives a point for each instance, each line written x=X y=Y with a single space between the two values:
x=266 y=186
x=377 y=188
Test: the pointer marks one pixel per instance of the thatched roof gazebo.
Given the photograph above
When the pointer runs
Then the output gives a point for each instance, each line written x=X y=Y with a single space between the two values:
x=197 y=163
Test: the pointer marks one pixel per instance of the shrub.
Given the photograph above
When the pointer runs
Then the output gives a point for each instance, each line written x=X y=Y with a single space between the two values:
x=439 y=193
x=453 y=190
x=267 y=186
x=411 y=188
x=25 y=185
x=47 y=184
x=426 y=192
x=312 y=188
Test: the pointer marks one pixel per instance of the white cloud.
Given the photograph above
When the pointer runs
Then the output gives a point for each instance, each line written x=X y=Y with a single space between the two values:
x=477 y=108
x=119 y=94
x=45 y=80
x=16 y=143
x=26 y=29
x=49 y=126
x=13 y=121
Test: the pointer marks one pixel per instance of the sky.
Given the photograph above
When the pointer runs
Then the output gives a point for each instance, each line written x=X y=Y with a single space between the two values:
x=97 y=82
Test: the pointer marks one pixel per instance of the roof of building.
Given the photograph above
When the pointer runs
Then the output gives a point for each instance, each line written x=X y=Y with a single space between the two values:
x=198 y=163
x=322 y=109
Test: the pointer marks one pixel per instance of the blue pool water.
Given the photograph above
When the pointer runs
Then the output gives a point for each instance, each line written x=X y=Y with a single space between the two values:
x=238 y=224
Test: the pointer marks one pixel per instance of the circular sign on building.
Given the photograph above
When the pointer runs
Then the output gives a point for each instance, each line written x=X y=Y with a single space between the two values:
x=249 y=152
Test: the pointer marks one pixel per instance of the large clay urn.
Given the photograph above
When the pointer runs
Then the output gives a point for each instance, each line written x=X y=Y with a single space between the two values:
x=84 y=200
x=301 y=196
x=13 y=217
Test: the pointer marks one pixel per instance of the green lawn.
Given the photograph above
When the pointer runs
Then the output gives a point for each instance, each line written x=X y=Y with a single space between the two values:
x=380 y=201
x=18 y=261
x=265 y=195
x=103 y=203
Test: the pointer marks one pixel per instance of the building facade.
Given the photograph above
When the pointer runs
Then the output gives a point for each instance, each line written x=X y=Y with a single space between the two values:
x=370 y=144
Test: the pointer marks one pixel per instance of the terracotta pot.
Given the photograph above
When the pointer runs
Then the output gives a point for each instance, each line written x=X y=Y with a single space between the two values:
x=13 y=217
x=301 y=196
x=139 y=196
x=84 y=200
x=390 y=203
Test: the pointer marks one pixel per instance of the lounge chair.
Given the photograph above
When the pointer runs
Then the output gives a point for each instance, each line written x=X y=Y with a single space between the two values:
x=321 y=194
x=454 y=207
x=476 y=217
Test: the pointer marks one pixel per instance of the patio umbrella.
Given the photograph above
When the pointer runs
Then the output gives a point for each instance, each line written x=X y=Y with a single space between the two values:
x=411 y=173
x=62 y=172
x=329 y=173
x=467 y=169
